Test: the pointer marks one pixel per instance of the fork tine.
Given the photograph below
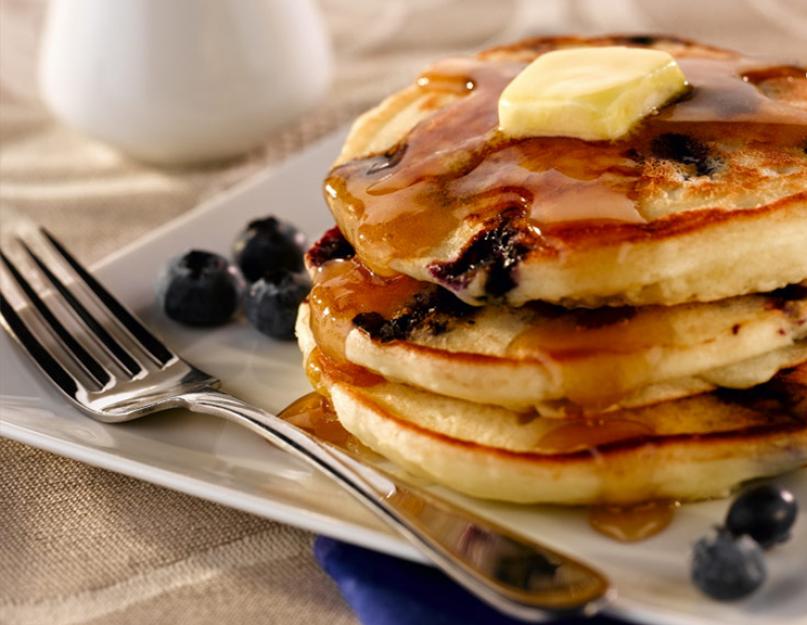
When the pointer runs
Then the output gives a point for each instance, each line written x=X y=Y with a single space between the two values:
x=148 y=341
x=90 y=364
x=58 y=374
x=129 y=364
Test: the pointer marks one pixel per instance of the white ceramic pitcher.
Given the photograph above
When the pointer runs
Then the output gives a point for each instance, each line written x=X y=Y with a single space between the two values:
x=182 y=81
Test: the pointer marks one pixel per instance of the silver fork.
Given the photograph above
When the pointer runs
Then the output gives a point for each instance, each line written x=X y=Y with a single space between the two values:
x=113 y=368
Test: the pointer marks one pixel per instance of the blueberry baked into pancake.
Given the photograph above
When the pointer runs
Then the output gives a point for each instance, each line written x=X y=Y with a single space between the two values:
x=572 y=271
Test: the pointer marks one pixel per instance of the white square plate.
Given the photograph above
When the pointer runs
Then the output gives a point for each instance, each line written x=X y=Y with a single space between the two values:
x=211 y=458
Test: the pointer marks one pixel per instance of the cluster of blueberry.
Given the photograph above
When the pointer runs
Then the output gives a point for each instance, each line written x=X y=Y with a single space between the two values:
x=204 y=289
x=728 y=563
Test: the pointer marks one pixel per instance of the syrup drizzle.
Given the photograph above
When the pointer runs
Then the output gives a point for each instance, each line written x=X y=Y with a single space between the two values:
x=456 y=170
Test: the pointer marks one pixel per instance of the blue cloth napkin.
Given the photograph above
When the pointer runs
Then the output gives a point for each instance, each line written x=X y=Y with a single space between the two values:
x=383 y=590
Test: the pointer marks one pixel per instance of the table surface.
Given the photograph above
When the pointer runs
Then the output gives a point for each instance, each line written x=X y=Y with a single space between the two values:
x=81 y=545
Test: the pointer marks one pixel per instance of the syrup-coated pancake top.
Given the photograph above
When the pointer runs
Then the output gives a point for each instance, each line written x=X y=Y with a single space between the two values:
x=453 y=201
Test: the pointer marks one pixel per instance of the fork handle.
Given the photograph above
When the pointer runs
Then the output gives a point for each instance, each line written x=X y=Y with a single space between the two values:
x=513 y=573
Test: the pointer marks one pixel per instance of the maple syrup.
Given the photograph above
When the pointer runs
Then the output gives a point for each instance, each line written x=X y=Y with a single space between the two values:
x=624 y=340
x=734 y=91
x=632 y=523
x=571 y=435
x=572 y=334
x=314 y=414
x=345 y=288
x=321 y=370
x=455 y=169
x=610 y=351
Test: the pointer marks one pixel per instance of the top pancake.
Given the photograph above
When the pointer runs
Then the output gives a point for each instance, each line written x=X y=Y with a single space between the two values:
x=706 y=200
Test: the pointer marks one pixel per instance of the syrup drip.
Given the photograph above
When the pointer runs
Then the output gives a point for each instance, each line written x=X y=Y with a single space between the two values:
x=575 y=334
x=570 y=435
x=457 y=170
x=314 y=414
x=609 y=352
x=321 y=369
x=343 y=289
x=632 y=523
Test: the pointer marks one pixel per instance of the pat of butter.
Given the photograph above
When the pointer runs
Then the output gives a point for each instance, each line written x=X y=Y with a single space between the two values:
x=589 y=93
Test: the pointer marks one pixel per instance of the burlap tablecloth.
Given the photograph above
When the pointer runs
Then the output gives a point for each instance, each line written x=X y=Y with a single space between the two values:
x=80 y=545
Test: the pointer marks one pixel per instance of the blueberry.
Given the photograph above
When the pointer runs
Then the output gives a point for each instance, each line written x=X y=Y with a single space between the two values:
x=272 y=302
x=268 y=245
x=765 y=513
x=198 y=289
x=727 y=567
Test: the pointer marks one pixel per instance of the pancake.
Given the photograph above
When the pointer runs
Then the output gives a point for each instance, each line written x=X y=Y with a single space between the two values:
x=687 y=208
x=544 y=356
x=689 y=449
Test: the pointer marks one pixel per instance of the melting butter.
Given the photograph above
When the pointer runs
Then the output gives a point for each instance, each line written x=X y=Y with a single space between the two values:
x=589 y=93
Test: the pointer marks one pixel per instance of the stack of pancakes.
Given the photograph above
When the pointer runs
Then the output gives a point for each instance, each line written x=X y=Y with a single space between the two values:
x=555 y=320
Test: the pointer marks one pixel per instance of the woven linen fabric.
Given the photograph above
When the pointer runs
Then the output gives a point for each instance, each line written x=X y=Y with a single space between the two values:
x=79 y=545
